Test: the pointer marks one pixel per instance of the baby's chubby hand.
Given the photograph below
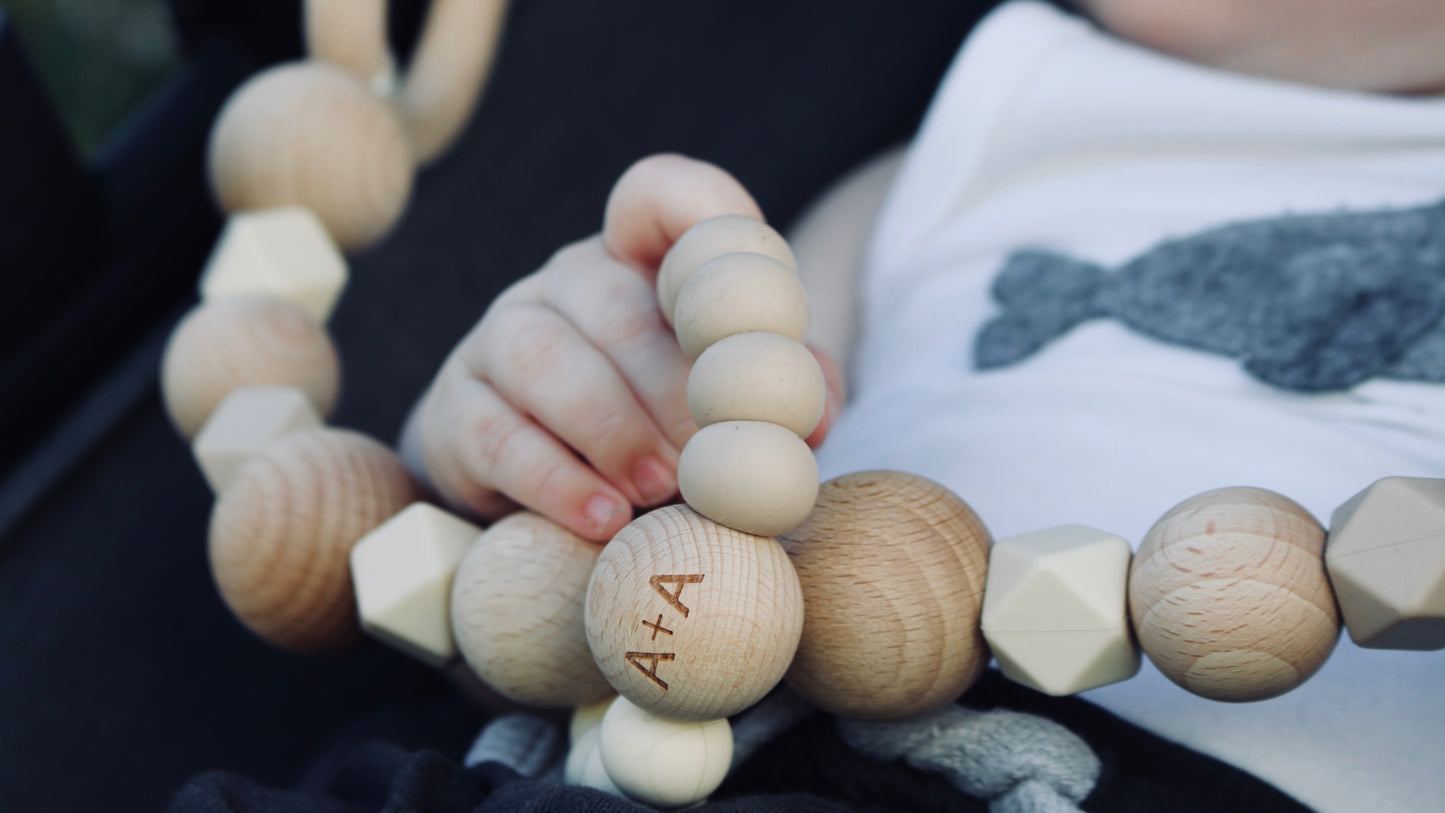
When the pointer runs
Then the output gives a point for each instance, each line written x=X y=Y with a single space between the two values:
x=569 y=396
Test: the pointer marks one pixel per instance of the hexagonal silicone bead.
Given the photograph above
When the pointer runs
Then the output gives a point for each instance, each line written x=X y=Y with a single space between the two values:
x=285 y=253
x=1386 y=560
x=244 y=423
x=403 y=575
x=1054 y=609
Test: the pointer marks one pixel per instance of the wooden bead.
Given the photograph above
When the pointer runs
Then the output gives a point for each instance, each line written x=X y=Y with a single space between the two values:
x=1054 y=610
x=892 y=567
x=692 y=620
x=710 y=239
x=738 y=293
x=663 y=762
x=403 y=571
x=758 y=377
x=1229 y=598
x=311 y=134
x=245 y=423
x=517 y=612
x=757 y=477
x=281 y=534
x=247 y=341
x=1386 y=560
x=285 y=253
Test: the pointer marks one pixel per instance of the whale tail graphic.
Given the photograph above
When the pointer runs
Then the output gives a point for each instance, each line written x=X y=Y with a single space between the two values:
x=1043 y=296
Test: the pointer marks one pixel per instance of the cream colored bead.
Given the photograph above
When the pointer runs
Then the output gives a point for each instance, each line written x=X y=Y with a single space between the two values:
x=244 y=424
x=517 y=612
x=246 y=341
x=281 y=533
x=1054 y=610
x=738 y=293
x=758 y=377
x=585 y=718
x=1228 y=595
x=584 y=763
x=1386 y=559
x=285 y=253
x=709 y=240
x=663 y=762
x=892 y=567
x=757 y=477
x=403 y=573
x=311 y=134
x=690 y=619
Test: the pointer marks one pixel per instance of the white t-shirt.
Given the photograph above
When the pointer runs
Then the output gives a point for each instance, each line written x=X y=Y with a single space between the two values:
x=1047 y=133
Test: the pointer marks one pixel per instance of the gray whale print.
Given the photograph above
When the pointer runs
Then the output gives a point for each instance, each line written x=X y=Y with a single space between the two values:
x=1307 y=302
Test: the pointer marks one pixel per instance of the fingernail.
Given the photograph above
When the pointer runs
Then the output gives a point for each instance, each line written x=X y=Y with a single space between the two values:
x=653 y=479
x=601 y=510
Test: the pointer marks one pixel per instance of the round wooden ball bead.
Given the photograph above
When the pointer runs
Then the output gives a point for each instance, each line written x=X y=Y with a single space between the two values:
x=311 y=134
x=757 y=477
x=663 y=762
x=245 y=341
x=893 y=568
x=692 y=620
x=282 y=532
x=710 y=239
x=517 y=612
x=758 y=377
x=1229 y=598
x=738 y=293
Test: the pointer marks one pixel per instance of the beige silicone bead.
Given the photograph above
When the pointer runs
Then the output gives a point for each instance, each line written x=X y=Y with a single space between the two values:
x=690 y=619
x=663 y=762
x=517 y=612
x=1228 y=595
x=1386 y=559
x=282 y=532
x=284 y=253
x=584 y=763
x=403 y=574
x=892 y=567
x=585 y=718
x=244 y=424
x=757 y=477
x=1054 y=610
x=758 y=377
x=246 y=341
x=311 y=134
x=710 y=239
x=738 y=293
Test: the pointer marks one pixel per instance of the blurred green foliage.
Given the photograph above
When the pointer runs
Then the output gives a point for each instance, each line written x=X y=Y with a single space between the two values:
x=97 y=59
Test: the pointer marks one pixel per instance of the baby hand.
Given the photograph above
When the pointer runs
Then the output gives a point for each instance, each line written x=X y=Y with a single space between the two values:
x=569 y=396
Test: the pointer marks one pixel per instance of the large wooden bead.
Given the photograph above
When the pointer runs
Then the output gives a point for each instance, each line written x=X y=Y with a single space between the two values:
x=245 y=341
x=758 y=377
x=893 y=569
x=738 y=293
x=517 y=612
x=690 y=619
x=311 y=134
x=1229 y=598
x=282 y=532
x=754 y=476
x=710 y=239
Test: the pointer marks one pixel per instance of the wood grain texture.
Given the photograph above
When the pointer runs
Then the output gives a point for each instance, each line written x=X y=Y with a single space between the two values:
x=517 y=612
x=692 y=620
x=281 y=534
x=311 y=134
x=245 y=341
x=1228 y=595
x=893 y=569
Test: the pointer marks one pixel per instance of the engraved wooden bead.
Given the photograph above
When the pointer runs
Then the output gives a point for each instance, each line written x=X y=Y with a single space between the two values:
x=710 y=239
x=246 y=341
x=282 y=532
x=690 y=619
x=1228 y=595
x=893 y=568
x=517 y=612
